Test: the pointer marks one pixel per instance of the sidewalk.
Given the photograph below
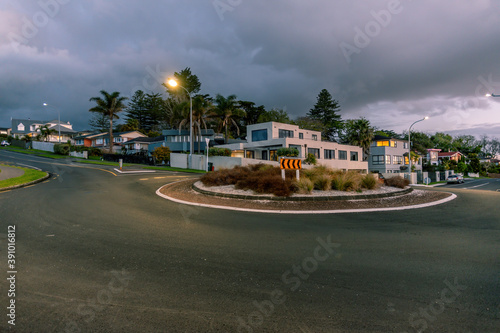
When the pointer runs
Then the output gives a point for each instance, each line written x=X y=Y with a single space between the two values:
x=9 y=172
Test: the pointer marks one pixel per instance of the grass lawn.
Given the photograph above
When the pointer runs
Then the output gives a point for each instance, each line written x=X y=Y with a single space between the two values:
x=173 y=169
x=29 y=176
x=35 y=152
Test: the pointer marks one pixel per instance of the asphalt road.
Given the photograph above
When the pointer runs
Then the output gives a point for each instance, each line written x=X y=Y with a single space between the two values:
x=100 y=252
x=477 y=184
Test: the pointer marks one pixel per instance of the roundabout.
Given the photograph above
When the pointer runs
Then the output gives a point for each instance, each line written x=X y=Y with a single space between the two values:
x=192 y=192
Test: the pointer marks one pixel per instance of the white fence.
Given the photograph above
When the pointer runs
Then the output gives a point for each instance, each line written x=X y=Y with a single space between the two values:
x=45 y=146
x=84 y=154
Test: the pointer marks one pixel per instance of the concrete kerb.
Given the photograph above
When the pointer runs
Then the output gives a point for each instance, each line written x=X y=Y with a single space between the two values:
x=338 y=211
x=26 y=184
x=302 y=198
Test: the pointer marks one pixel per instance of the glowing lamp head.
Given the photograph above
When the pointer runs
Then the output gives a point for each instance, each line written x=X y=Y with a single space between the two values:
x=426 y=117
x=172 y=83
x=488 y=95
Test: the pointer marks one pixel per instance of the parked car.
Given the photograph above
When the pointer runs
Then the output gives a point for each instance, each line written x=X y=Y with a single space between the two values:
x=4 y=143
x=455 y=179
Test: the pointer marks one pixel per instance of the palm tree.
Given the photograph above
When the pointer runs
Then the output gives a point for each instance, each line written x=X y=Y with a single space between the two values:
x=226 y=110
x=45 y=132
x=359 y=132
x=109 y=105
x=202 y=107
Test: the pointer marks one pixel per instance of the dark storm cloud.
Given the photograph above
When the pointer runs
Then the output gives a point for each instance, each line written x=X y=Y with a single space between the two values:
x=390 y=61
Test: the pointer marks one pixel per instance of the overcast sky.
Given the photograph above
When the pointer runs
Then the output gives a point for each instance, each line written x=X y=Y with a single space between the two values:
x=392 y=62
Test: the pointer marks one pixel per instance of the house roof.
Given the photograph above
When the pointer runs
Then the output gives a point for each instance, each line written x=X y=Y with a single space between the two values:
x=176 y=132
x=449 y=153
x=147 y=139
x=63 y=129
x=26 y=122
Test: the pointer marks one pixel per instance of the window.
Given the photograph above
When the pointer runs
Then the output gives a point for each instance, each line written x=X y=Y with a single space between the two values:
x=301 y=135
x=378 y=159
x=405 y=145
x=342 y=155
x=406 y=160
x=314 y=151
x=20 y=127
x=259 y=135
x=387 y=159
x=397 y=159
x=98 y=141
x=354 y=155
x=79 y=142
x=117 y=139
x=285 y=133
x=250 y=154
x=394 y=144
x=315 y=137
x=273 y=155
x=329 y=154
x=382 y=143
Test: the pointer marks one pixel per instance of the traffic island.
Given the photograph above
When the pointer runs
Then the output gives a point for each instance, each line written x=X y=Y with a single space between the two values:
x=13 y=177
x=186 y=192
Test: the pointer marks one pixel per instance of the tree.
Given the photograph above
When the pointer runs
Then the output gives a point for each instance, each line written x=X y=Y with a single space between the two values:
x=277 y=115
x=147 y=109
x=187 y=80
x=420 y=141
x=161 y=154
x=99 y=122
x=226 y=111
x=202 y=108
x=388 y=133
x=308 y=123
x=466 y=144
x=45 y=132
x=442 y=141
x=110 y=105
x=358 y=132
x=326 y=111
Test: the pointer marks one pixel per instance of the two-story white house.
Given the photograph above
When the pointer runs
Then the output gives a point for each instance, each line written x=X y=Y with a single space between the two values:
x=390 y=155
x=264 y=140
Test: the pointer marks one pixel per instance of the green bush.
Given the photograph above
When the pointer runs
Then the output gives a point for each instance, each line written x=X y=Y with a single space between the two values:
x=61 y=149
x=214 y=151
x=397 y=182
x=323 y=182
x=161 y=154
x=288 y=152
x=369 y=182
x=311 y=159
x=305 y=185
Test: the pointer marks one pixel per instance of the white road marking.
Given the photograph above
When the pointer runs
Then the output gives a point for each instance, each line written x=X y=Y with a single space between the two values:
x=467 y=188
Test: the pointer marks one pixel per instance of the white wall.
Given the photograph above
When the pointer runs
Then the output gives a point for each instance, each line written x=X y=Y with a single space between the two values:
x=179 y=160
x=45 y=146
x=83 y=154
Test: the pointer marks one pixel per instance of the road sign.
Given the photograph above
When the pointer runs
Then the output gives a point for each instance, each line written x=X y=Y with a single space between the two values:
x=291 y=163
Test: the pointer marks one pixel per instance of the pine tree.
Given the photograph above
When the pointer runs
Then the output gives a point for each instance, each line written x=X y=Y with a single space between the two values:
x=326 y=111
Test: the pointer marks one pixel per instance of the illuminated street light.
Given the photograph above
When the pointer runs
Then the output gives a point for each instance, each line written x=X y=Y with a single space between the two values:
x=173 y=83
x=59 y=118
x=409 y=146
x=492 y=95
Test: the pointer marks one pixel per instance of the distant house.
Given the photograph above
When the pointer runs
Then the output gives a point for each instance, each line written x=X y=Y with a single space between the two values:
x=390 y=155
x=101 y=140
x=452 y=156
x=433 y=156
x=28 y=127
x=142 y=144
x=5 y=130
x=265 y=139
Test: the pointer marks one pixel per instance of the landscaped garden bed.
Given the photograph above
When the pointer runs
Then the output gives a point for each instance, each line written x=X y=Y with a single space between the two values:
x=317 y=181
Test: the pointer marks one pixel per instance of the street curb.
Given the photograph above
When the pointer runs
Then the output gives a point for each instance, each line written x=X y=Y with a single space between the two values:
x=26 y=184
x=303 y=198
x=338 y=211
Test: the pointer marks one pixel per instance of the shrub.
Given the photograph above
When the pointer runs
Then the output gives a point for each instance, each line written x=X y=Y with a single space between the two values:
x=288 y=152
x=161 y=154
x=369 y=182
x=397 y=182
x=214 y=151
x=260 y=178
x=323 y=182
x=346 y=181
x=311 y=159
x=61 y=149
x=305 y=185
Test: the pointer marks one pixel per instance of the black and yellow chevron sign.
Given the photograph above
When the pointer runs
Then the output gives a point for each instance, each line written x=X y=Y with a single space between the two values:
x=288 y=163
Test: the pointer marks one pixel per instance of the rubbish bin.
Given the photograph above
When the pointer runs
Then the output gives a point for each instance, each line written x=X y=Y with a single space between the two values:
x=210 y=166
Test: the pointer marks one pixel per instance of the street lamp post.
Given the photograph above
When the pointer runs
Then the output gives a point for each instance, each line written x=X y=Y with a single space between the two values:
x=409 y=146
x=174 y=83
x=207 y=141
x=58 y=118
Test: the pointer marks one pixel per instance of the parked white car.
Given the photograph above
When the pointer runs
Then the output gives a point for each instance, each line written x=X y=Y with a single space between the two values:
x=4 y=143
x=455 y=179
